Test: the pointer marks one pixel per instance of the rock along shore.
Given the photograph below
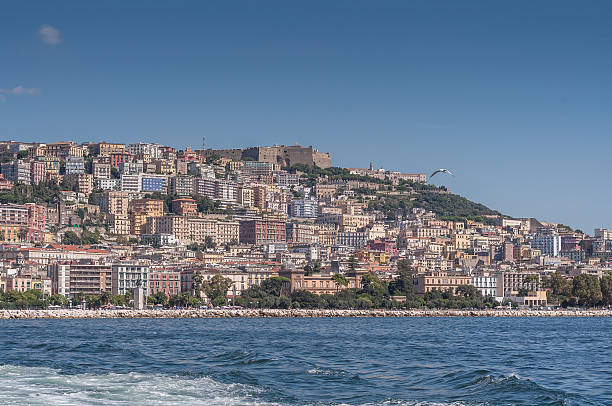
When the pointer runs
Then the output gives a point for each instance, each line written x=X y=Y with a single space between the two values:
x=268 y=313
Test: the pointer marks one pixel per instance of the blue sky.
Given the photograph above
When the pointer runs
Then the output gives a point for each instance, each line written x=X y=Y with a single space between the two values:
x=514 y=96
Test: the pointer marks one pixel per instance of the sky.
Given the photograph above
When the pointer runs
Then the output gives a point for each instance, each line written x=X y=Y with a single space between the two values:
x=515 y=97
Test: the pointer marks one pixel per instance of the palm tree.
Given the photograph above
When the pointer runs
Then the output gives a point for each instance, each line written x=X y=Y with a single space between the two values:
x=22 y=234
x=340 y=280
x=198 y=281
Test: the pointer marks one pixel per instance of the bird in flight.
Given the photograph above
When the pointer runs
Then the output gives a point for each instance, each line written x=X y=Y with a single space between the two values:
x=441 y=171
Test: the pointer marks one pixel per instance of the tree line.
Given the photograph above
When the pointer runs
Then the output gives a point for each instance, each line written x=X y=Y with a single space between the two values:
x=583 y=290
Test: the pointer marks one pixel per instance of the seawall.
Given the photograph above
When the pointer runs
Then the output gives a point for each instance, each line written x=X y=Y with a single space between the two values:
x=269 y=313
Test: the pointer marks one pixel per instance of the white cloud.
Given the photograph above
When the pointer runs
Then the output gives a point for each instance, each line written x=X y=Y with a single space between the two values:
x=17 y=90
x=50 y=35
x=20 y=90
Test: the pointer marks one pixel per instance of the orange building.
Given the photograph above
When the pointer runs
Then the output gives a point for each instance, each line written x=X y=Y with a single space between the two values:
x=185 y=207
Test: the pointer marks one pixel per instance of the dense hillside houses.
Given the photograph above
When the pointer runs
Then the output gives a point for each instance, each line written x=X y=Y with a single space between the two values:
x=271 y=226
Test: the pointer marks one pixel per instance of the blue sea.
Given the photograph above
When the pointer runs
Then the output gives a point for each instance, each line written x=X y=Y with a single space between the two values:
x=330 y=361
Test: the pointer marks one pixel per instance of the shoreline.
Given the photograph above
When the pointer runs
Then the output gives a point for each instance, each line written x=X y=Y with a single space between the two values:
x=287 y=313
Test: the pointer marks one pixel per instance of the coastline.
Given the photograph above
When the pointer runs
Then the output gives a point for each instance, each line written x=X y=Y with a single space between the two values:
x=287 y=313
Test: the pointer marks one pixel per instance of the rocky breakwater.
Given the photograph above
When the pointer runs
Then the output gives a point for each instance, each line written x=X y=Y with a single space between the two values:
x=262 y=313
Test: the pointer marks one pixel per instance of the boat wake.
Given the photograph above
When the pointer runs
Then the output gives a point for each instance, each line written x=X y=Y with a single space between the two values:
x=21 y=385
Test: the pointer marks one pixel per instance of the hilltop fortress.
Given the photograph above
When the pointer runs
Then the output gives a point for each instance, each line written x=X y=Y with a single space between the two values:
x=284 y=155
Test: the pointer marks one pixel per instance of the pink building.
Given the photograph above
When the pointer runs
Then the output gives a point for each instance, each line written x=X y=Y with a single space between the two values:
x=38 y=172
x=383 y=245
x=162 y=280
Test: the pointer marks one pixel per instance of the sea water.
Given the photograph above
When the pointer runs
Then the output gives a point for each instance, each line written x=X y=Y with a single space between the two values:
x=327 y=361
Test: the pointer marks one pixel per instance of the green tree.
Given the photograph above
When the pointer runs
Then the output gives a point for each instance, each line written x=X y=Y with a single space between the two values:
x=302 y=299
x=403 y=284
x=94 y=301
x=559 y=288
x=209 y=242
x=370 y=282
x=71 y=238
x=606 y=289
x=274 y=286
x=105 y=297
x=340 y=280
x=216 y=287
x=198 y=283
x=219 y=301
x=559 y=285
x=58 y=300
x=469 y=291
x=587 y=289
x=159 y=298
x=118 y=300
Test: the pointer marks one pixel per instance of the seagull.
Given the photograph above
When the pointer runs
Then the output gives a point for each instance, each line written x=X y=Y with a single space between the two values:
x=441 y=171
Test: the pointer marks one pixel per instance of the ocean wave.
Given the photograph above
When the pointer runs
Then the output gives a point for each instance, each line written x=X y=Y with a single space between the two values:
x=21 y=385
x=38 y=386
x=513 y=388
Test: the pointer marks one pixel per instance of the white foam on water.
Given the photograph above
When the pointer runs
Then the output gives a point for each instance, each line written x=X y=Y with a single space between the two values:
x=44 y=386
x=34 y=386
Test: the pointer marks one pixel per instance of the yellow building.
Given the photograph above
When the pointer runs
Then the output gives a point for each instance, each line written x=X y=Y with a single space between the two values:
x=165 y=167
x=140 y=210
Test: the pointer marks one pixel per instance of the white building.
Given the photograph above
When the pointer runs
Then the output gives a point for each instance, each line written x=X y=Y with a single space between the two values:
x=131 y=168
x=603 y=233
x=151 y=150
x=75 y=165
x=488 y=285
x=126 y=276
x=549 y=243
x=107 y=184
x=306 y=207
x=130 y=183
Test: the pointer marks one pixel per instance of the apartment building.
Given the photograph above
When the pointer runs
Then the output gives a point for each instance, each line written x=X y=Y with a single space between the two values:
x=185 y=207
x=75 y=165
x=262 y=231
x=22 y=222
x=115 y=202
x=108 y=148
x=164 y=280
x=101 y=170
x=306 y=207
x=84 y=277
x=127 y=276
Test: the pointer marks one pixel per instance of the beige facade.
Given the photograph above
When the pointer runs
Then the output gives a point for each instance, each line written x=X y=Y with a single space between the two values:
x=107 y=148
x=83 y=182
x=120 y=224
x=228 y=232
x=462 y=241
x=115 y=202
x=244 y=196
x=441 y=281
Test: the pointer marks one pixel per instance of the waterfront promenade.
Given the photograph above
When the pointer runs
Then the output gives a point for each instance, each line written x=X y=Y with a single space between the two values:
x=269 y=313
